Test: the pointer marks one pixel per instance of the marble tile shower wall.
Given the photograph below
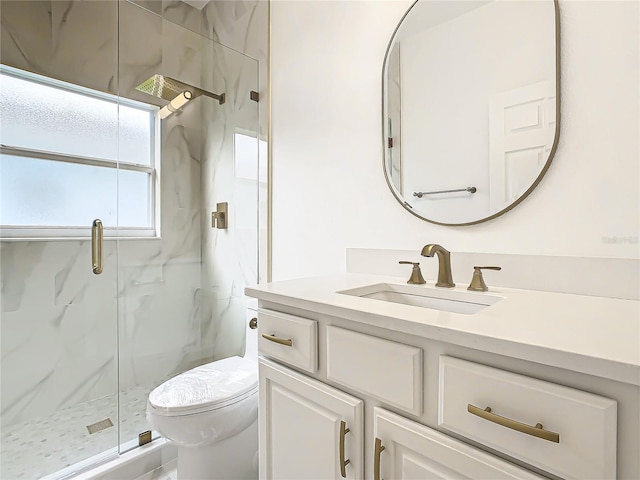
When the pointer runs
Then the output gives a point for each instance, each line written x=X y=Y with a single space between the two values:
x=229 y=257
x=243 y=26
x=177 y=300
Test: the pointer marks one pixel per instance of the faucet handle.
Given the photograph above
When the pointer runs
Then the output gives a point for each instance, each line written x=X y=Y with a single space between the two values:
x=477 y=282
x=416 y=275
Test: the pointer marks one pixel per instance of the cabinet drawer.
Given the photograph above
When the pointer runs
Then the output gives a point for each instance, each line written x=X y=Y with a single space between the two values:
x=388 y=371
x=300 y=335
x=414 y=451
x=585 y=423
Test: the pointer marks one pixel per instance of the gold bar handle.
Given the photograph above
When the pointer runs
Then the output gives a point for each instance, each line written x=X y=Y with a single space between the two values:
x=537 y=430
x=97 y=242
x=343 y=463
x=376 y=459
x=282 y=341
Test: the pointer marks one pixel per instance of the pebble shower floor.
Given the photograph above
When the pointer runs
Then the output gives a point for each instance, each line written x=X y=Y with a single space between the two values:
x=43 y=446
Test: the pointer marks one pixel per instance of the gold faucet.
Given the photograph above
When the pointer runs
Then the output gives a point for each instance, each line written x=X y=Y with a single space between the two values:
x=445 y=279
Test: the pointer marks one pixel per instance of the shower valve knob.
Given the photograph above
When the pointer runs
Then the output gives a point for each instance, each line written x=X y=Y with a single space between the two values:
x=219 y=217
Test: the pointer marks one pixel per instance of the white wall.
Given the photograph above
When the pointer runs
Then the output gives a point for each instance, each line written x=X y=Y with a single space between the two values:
x=329 y=192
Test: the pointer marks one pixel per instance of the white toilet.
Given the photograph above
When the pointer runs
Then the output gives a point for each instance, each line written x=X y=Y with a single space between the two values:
x=211 y=414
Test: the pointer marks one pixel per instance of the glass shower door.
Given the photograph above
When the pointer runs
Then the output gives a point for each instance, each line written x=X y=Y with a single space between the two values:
x=59 y=172
x=59 y=197
x=181 y=301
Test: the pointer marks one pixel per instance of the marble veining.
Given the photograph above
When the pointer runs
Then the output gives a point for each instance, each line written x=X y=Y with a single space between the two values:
x=165 y=305
x=49 y=353
x=140 y=50
x=19 y=48
x=75 y=283
x=184 y=15
x=94 y=58
x=10 y=254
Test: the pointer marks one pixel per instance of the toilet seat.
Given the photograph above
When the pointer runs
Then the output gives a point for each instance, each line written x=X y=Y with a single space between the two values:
x=208 y=387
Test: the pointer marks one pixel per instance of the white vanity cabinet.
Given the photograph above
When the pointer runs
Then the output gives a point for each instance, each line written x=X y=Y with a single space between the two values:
x=408 y=397
x=313 y=431
x=308 y=430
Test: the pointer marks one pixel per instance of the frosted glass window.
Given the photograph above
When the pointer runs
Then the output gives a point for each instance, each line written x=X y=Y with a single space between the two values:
x=36 y=192
x=134 y=199
x=70 y=155
x=135 y=135
x=51 y=118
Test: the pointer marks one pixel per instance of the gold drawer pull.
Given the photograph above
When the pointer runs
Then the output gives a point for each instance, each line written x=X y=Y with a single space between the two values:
x=343 y=463
x=536 y=431
x=282 y=341
x=376 y=459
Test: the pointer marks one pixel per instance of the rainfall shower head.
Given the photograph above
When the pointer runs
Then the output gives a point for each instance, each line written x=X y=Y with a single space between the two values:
x=176 y=92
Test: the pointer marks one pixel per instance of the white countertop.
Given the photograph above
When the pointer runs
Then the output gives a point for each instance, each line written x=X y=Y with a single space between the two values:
x=593 y=335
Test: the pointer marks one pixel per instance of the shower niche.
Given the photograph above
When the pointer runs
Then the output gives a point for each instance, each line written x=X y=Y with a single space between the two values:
x=81 y=351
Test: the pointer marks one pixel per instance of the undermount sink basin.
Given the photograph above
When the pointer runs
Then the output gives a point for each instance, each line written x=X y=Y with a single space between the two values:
x=426 y=297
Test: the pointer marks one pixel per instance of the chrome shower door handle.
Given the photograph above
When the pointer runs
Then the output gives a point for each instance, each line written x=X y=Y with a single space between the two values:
x=97 y=242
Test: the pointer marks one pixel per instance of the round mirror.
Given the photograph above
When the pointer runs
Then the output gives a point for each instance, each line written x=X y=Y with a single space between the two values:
x=470 y=106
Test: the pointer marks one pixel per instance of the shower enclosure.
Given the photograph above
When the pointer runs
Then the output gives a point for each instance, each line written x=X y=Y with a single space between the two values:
x=92 y=319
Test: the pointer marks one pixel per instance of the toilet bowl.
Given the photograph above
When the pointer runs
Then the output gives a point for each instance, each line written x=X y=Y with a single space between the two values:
x=210 y=413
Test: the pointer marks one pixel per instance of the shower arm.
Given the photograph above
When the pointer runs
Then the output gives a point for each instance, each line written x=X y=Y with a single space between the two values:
x=220 y=98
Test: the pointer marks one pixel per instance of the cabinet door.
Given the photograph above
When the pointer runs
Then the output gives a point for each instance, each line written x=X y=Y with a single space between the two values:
x=302 y=435
x=415 y=452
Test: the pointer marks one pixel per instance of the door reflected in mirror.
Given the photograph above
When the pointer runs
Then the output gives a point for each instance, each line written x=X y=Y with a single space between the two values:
x=471 y=107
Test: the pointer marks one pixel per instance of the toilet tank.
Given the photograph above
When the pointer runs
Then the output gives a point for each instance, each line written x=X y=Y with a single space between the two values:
x=251 y=339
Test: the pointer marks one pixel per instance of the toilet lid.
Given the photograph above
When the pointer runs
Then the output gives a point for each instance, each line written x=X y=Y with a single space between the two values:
x=206 y=387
